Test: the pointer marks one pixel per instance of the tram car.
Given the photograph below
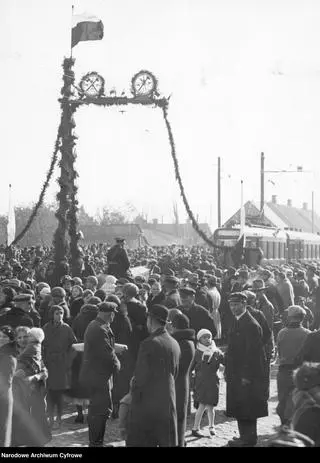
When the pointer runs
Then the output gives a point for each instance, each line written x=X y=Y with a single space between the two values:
x=278 y=246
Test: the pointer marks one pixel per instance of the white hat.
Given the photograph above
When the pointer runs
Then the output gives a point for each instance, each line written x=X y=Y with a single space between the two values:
x=202 y=332
x=37 y=333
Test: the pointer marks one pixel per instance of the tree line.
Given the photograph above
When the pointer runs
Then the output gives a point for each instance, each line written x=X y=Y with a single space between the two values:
x=43 y=227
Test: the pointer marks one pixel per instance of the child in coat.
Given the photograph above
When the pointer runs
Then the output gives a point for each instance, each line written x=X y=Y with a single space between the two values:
x=206 y=363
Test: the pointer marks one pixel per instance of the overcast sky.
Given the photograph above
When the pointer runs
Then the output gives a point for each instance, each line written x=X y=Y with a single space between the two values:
x=244 y=77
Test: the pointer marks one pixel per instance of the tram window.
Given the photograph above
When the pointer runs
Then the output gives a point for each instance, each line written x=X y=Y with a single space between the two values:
x=312 y=250
x=275 y=250
x=268 y=250
x=281 y=250
x=264 y=248
x=306 y=251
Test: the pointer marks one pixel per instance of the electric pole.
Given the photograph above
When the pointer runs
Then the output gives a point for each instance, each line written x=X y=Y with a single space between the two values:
x=262 y=186
x=219 y=193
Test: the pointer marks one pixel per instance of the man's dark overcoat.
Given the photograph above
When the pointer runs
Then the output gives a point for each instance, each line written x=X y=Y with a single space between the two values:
x=199 y=318
x=246 y=358
x=185 y=339
x=153 y=420
x=99 y=358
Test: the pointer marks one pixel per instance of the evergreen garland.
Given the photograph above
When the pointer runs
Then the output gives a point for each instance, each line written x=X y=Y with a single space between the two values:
x=39 y=203
x=194 y=222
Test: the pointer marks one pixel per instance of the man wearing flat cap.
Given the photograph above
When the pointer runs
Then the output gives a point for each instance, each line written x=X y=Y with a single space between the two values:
x=153 y=420
x=19 y=315
x=247 y=374
x=118 y=260
x=199 y=317
x=99 y=364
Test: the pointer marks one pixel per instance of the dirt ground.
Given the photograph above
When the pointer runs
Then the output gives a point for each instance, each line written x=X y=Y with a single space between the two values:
x=76 y=435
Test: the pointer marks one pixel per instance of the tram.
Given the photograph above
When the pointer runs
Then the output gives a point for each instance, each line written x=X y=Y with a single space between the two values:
x=278 y=246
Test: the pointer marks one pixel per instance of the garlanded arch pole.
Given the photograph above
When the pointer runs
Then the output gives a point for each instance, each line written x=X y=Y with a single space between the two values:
x=91 y=90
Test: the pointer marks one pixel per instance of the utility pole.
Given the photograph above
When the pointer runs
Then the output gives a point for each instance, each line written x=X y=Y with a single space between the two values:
x=219 y=192
x=262 y=186
x=312 y=209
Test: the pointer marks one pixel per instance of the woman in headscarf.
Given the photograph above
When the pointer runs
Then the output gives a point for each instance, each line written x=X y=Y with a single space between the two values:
x=30 y=426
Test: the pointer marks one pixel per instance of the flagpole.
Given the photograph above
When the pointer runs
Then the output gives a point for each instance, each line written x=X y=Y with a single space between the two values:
x=72 y=11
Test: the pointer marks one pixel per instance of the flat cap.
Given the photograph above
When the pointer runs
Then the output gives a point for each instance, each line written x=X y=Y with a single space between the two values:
x=187 y=291
x=107 y=307
x=171 y=279
x=23 y=298
x=237 y=297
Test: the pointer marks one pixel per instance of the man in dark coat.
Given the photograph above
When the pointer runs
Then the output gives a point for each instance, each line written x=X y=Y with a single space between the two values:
x=199 y=317
x=153 y=420
x=137 y=314
x=186 y=340
x=19 y=315
x=247 y=375
x=171 y=293
x=99 y=364
x=310 y=351
x=118 y=260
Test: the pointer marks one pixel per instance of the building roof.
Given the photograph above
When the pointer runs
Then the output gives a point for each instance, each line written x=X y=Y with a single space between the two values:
x=159 y=238
x=278 y=215
x=299 y=219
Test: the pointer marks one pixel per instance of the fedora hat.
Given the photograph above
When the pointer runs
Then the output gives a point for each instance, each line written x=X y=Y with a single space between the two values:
x=159 y=312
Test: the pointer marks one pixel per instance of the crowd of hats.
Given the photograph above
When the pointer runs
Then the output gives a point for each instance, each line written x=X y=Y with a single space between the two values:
x=185 y=268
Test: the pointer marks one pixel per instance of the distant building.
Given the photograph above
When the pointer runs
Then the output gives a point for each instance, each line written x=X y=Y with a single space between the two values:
x=150 y=234
x=285 y=217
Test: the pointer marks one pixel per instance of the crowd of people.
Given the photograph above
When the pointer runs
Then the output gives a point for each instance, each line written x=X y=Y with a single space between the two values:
x=142 y=334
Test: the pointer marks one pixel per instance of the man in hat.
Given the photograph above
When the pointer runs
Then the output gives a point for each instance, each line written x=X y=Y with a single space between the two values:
x=271 y=291
x=247 y=375
x=99 y=364
x=262 y=302
x=153 y=420
x=137 y=313
x=118 y=260
x=289 y=343
x=285 y=289
x=19 y=315
x=199 y=316
x=215 y=300
x=312 y=278
x=171 y=293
